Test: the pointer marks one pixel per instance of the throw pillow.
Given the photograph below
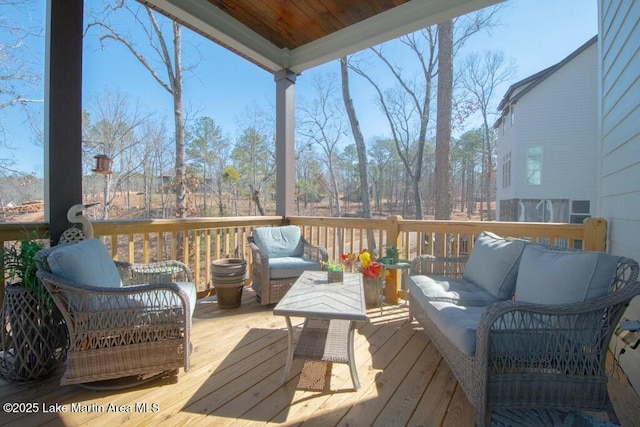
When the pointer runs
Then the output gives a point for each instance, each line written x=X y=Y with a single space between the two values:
x=87 y=263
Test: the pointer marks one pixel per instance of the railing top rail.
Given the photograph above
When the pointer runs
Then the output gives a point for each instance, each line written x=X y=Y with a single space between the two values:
x=338 y=222
x=515 y=229
x=23 y=230
x=102 y=227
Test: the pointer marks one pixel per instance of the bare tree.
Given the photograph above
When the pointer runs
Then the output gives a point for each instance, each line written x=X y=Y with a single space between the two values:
x=360 y=147
x=482 y=74
x=208 y=152
x=322 y=123
x=20 y=73
x=407 y=107
x=254 y=155
x=113 y=132
x=167 y=49
x=467 y=154
x=155 y=162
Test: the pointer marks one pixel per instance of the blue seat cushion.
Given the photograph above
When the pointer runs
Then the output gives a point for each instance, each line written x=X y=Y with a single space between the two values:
x=458 y=323
x=279 y=242
x=448 y=289
x=87 y=262
x=287 y=267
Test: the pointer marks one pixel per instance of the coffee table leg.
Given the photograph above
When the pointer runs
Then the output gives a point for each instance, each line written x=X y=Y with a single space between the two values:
x=352 y=362
x=287 y=367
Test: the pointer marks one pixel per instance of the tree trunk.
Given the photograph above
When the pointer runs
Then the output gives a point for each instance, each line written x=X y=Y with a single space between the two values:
x=489 y=167
x=443 y=130
x=443 y=121
x=180 y=168
x=360 y=148
x=255 y=197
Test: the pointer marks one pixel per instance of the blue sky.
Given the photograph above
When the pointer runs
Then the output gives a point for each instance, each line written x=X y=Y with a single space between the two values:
x=535 y=33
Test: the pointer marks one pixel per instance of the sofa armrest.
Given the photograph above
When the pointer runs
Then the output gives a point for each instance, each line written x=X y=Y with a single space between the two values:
x=315 y=252
x=515 y=336
x=439 y=266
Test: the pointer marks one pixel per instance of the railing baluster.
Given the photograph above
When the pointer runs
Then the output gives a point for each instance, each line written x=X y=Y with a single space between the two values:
x=145 y=249
x=197 y=258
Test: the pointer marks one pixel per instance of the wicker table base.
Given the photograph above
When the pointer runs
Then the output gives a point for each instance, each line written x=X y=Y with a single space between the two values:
x=331 y=311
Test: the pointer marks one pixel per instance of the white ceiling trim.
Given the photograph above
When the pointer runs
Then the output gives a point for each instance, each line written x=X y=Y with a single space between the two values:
x=404 y=19
x=401 y=20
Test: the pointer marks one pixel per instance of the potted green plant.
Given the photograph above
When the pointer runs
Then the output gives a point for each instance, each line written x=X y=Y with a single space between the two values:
x=335 y=271
x=393 y=252
x=33 y=336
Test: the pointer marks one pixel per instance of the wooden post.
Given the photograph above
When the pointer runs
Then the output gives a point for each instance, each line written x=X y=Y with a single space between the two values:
x=392 y=283
x=285 y=142
x=595 y=234
x=63 y=112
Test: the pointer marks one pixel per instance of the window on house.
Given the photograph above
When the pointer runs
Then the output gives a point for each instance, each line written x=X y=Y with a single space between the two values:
x=506 y=170
x=513 y=114
x=534 y=165
x=580 y=210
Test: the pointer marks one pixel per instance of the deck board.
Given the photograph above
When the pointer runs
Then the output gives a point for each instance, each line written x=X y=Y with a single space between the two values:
x=236 y=373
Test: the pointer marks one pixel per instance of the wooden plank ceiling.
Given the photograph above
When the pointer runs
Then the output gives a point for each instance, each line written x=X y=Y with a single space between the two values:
x=293 y=23
x=300 y=34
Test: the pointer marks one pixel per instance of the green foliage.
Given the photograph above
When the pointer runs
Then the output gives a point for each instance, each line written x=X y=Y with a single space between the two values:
x=19 y=263
x=392 y=251
x=231 y=175
x=20 y=267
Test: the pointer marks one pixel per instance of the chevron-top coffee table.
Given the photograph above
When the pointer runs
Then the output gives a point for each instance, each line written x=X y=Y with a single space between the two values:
x=331 y=311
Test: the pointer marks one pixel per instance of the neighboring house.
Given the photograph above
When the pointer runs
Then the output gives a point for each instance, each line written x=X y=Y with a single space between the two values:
x=618 y=168
x=547 y=139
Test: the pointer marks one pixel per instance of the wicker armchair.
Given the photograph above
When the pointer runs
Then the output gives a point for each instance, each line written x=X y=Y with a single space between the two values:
x=141 y=328
x=280 y=255
x=536 y=355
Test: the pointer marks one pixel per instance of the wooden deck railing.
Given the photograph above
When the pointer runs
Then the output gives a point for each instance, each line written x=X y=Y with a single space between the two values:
x=208 y=239
x=350 y=234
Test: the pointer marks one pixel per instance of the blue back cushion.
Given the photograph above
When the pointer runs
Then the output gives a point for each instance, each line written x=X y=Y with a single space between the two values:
x=550 y=276
x=493 y=264
x=279 y=242
x=87 y=263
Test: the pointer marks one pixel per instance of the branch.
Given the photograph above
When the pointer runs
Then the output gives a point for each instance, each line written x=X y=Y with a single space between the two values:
x=398 y=77
x=385 y=109
x=165 y=52
x=117 y=37
x=18 y=100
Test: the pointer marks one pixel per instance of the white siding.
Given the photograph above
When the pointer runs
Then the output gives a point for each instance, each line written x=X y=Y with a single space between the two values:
x=620 y=141
x=559 y=114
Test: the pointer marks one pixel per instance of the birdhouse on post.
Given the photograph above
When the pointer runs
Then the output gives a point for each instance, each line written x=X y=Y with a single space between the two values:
x=103 y=164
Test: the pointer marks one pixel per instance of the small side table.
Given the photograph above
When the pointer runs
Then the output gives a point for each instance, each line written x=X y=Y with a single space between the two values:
x=391 y=282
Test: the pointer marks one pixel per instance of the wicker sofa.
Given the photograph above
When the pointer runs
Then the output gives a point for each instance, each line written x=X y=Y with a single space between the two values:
x=124 y=320
x=523 y=325
x=280 y=255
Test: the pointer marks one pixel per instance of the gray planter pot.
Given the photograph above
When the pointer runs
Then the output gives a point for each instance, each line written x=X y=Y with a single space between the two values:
x=228 y=278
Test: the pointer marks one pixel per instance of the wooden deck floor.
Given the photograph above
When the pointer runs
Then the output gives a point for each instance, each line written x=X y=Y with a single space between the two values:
x=235 y=380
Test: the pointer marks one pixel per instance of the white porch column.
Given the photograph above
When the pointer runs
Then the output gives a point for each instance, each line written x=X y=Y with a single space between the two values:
x=63 y=112
x=285 y=153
